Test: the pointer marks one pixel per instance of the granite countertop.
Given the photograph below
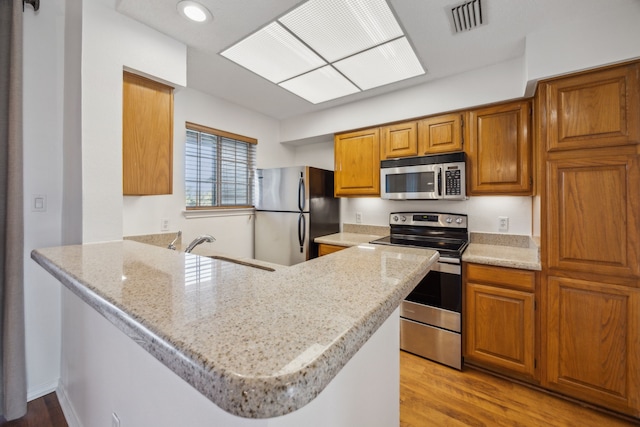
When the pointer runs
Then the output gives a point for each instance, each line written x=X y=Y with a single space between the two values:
x=503 y=250
x=346 y=239
x=257 y=343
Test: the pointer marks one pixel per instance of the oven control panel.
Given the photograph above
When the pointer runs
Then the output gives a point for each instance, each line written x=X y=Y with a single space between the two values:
x=428 y=219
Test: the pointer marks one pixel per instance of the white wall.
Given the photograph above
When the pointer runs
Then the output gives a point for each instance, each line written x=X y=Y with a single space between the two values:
x=111 y=42
x=490 y=84
x=319 y=155
x=581 y=42
x=43 y=128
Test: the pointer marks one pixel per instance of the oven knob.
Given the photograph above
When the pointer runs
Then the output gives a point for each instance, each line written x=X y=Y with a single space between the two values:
x=403 y=218
x=449 y=220
x=395 y=218
x=459 y=221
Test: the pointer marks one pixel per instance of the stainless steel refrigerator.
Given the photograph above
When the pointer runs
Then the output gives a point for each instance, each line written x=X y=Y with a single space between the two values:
x=293 y=206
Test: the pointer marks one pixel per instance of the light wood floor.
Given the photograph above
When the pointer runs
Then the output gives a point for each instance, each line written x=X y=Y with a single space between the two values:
x=435 y=395
x=432 y=395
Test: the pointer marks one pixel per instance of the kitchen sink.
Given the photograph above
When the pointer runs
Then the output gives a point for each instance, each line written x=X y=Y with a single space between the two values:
x=239 y=262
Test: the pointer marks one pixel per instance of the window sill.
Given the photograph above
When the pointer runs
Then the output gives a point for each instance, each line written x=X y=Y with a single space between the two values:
x=208 y=213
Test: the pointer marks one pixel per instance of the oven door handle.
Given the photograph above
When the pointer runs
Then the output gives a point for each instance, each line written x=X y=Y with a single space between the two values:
x=447 y=268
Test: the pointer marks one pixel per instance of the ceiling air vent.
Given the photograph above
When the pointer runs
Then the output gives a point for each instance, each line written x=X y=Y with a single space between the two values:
x=466 y=16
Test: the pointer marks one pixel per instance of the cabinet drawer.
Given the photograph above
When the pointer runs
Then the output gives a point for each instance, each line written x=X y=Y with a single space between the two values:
x=511 y=277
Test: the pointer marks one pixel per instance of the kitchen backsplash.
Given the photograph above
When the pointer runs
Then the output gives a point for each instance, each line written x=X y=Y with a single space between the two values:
x=377 y=230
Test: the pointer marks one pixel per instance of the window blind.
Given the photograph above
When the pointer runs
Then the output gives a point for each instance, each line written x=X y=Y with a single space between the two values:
x=219 y=169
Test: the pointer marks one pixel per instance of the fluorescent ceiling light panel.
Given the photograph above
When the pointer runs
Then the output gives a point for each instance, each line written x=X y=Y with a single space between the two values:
x=339 y=28
x=388 y=63
x=274 y=54
x=361 y=38
x=320 y=85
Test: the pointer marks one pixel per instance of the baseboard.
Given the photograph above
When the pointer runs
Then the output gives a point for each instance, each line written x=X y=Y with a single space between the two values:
x=67 y=407
x=41 y=390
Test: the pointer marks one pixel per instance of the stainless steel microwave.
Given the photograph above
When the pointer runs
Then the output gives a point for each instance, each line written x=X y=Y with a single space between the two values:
x=440 y=176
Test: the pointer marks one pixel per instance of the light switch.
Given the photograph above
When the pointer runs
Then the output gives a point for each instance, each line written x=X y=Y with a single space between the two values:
x=39 y=203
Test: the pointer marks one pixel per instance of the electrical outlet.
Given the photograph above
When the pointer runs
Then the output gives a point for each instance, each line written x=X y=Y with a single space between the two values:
x=164 y=224
x=358 y=217
x=503 y=223
x=115 y=421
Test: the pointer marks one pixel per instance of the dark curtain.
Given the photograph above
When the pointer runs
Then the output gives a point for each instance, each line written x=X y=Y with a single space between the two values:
x=13 y=387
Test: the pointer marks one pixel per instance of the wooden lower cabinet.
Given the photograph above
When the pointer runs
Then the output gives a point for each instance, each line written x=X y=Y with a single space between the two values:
x=592 y=344
x=499 y=329
x=326 y=249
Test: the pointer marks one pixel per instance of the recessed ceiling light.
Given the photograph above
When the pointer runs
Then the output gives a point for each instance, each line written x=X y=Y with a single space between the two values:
x=194 y=11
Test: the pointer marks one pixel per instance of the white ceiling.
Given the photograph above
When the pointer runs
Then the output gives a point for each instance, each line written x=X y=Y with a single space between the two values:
x=425 y=22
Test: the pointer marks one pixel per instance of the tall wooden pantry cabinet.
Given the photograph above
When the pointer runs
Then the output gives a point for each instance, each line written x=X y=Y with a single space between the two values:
x=590 y=203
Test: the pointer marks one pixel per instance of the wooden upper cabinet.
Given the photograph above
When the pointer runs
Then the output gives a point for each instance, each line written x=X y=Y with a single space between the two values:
x=440 y=134
x=147 y=136
x=499 y=150
x=594 y=109
x=399 y=140
x=593 y=214
x=500 y=319
x=593 y=342
x=357 y=163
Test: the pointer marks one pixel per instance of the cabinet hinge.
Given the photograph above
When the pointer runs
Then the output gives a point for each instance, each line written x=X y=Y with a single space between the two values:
x=535 y=305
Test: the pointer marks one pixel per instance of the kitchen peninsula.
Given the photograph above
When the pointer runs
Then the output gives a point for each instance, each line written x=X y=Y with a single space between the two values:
x=259 y=344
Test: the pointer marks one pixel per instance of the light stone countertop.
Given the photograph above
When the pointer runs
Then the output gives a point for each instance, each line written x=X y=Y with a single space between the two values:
x=257 y=343
x=502 y=256
x=346 y=239
x=502 y=250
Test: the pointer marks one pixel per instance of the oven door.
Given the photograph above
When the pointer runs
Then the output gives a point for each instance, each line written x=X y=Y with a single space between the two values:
x=437 y=299
x=418 y=182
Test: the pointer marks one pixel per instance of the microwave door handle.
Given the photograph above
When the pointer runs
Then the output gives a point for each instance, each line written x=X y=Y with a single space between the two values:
x=439 y=186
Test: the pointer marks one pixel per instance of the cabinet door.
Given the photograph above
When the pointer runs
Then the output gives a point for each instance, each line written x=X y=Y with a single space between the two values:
x=147 y=136
x=595 y=109
x=500 y=328
x=499 y=150
x=593 y=342
x=399 y=140
x=357 y=163
x=441 y=134
x=593 y=214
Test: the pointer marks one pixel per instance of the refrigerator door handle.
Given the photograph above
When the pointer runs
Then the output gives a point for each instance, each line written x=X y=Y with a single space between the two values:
x=302 y=227
x=301 y=193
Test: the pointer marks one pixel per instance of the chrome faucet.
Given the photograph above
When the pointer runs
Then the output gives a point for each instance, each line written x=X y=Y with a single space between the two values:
x=172 y=245
x=198 y=240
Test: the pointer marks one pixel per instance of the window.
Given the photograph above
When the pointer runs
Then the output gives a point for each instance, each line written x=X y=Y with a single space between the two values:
x=219 y=168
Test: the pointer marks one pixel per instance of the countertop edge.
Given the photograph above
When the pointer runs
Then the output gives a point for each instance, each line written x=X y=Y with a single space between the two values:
x=227 y=390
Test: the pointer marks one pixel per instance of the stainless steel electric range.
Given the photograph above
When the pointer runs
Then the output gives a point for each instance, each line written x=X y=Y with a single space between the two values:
x=431 y=319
